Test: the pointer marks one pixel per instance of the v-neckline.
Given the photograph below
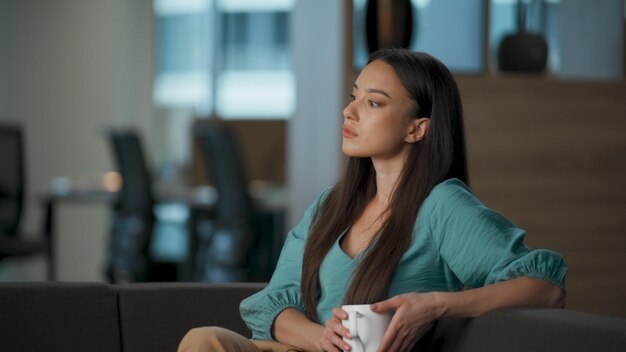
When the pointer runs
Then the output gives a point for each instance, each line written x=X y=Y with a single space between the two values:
x=342 y=250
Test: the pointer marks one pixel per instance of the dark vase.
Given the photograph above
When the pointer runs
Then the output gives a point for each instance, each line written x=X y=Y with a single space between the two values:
x=389 y=24
x=523 y=51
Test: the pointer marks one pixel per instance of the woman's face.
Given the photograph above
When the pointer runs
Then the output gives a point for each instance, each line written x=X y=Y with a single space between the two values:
x=377 y=121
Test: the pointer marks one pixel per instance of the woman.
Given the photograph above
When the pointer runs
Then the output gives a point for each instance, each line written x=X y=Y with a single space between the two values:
x=400 y=230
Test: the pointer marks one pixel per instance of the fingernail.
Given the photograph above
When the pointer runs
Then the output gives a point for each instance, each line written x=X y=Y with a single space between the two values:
x=374 y=306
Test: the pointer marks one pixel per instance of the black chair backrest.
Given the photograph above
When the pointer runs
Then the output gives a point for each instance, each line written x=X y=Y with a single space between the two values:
x=11 y=178
x=223 y=160
x=135 y=196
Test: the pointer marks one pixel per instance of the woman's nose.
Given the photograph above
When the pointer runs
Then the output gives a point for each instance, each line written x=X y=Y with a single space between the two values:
x=349 y=113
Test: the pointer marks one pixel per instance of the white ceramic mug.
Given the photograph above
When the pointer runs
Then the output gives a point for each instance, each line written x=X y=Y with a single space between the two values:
x=366 y=327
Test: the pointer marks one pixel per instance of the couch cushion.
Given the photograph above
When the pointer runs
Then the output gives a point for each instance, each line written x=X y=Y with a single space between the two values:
x=537 y=330
x=48 y=316
x=155 y=317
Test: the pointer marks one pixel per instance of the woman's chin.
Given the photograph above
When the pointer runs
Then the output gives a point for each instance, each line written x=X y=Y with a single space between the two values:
x=347 y=150
x=351 y=153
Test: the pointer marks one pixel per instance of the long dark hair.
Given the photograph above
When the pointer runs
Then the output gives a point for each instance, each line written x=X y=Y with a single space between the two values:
x=439 y=156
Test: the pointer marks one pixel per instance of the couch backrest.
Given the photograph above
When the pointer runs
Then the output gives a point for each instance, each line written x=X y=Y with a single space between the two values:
x=155 y=317
x=58 y=317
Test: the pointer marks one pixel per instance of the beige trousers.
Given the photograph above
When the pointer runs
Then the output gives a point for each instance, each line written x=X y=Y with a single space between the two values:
x=216 y=339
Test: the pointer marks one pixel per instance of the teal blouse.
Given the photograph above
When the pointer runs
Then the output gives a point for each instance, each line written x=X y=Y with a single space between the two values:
x=457 y=243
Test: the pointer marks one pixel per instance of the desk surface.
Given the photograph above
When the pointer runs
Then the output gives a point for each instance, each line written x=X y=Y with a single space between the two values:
x=265 y=197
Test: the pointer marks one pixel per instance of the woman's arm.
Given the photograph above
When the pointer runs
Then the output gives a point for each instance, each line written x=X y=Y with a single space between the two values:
x=415 y=312
x=293 y=328
x=260 y=310
x=519 y=292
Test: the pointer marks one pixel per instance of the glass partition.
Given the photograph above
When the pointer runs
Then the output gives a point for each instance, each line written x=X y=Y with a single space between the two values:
x=229 y=58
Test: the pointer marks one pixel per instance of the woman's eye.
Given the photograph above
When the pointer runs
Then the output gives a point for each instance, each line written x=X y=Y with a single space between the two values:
x=373 y=103
x=352 y=97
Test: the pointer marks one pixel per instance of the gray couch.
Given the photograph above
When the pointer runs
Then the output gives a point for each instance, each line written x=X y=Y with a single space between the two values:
x=154 y=317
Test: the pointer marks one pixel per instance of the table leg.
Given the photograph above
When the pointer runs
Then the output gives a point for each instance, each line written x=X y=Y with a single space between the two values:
x=48 y=231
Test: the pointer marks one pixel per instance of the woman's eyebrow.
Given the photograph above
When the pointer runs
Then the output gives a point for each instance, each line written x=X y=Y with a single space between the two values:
x=373 y=90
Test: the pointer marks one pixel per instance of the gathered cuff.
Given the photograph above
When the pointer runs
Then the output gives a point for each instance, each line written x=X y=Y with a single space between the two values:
x=540 y=264
x=261 y=309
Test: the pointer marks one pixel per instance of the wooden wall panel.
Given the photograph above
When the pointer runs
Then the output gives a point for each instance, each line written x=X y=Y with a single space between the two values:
x=262 y=145
x=551 y=156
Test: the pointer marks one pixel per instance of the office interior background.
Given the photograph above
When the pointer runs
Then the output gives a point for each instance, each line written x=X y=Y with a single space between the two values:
x=546 y=150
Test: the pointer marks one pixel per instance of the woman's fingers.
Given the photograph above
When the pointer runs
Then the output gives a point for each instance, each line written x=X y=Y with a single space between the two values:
x=390 y=336
x=336 y=322
x=387 y=305
x=400 y=335
x=333 y=335
x=338 y=341
x=333 y=342
x=329 y=347
x=407 y=343
x=338 y=328
x=340 y=314
x=402 y=340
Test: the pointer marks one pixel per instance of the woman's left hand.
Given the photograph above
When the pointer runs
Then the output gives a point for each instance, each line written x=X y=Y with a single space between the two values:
x=414 y=315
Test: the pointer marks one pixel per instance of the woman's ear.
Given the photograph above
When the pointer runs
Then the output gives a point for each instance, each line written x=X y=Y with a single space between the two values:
x=418 y=129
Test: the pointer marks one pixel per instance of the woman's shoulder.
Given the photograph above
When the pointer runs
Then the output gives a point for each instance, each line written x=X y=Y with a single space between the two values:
x=321 y=198
x=449 y=188
x=448 y=195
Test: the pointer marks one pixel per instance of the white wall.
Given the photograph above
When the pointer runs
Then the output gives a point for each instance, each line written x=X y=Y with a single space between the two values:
x=72 y=69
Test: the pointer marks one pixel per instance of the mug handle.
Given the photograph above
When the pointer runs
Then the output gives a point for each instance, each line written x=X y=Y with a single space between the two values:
x=352 y=326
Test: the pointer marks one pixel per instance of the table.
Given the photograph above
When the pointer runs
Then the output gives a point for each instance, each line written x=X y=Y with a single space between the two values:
x=269 y=202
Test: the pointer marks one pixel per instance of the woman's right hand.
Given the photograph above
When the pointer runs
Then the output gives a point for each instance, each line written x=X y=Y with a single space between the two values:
x=334 y=331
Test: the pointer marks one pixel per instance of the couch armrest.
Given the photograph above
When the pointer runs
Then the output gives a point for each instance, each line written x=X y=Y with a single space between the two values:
x=528 y=329
x=155 y=316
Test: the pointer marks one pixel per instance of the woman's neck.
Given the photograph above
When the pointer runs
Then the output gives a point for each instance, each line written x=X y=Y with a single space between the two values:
x=387 y=177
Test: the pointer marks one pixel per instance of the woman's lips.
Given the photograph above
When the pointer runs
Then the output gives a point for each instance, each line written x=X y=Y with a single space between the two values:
x=348 y=132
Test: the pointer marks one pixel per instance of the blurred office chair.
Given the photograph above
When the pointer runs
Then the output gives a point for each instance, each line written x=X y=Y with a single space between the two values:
x=133 y=220
x=227 y=249
x=13 y=242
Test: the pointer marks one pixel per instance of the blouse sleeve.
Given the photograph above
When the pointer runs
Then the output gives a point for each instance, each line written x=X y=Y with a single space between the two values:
x=283 y=291
x=482 y=247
